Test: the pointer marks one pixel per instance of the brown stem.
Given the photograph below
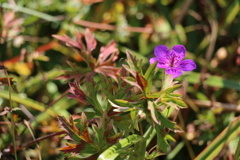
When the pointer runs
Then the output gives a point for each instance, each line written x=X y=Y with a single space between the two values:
x=51 y=104
x=36 y=140
x=112 y=27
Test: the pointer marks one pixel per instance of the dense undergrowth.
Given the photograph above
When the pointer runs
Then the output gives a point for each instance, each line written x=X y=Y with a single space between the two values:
x=78 y=79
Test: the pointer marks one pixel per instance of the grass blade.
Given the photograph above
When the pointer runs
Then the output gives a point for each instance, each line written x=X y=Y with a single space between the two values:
x=228 y=134
x=27 y=102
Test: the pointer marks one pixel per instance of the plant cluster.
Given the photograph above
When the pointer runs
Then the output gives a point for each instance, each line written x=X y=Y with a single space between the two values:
x=118 y=102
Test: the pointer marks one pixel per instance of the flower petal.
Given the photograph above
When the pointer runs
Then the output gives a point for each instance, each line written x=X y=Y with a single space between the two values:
x=187 y=65
x=160 y=64
x=161 y=52
x=178 y=53
x=174 y=71
x=152 y=60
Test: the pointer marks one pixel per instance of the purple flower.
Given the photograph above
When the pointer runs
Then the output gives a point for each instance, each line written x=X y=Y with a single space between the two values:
x=172 y=60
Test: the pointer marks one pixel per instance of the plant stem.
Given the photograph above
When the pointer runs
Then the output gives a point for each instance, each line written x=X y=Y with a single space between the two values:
x=167 y=81
x=183 y=135
x=11 y=114
x=37 y=140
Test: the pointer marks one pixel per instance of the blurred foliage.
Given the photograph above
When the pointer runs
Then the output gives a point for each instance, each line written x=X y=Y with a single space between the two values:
x=208 y=29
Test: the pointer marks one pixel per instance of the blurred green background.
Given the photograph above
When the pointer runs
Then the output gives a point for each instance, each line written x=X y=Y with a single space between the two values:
x=208 y=29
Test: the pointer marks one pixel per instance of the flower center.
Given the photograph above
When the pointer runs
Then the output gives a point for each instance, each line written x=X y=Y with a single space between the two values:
x=172 y=61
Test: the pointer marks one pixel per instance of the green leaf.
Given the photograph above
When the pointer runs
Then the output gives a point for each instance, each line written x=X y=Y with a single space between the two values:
x=122 y=102
x=154 y=155
x=172 y=89
x=113 y=151
x=133 y=62
x=139 y=151
x=165 y=121
x=98 y=135
x=166 y=91
x=231 y=13
x=178 y=102
x=151 y=108
x=149 y=75
x=162 y=142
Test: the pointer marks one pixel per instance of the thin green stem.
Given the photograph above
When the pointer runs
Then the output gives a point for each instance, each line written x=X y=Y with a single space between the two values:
x=167 y=81
x=11 y=115
x=150 y=134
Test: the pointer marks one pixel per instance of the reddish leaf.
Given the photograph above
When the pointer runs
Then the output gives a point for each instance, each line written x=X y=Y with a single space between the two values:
x=79 y=41
x=77 y=93
x=47 y=46
x=84 y=119
x=141 y=81
x=11 y=61
x=108 y=71
x=69 y=128
x=68 y=41
x=85 y=136
x=6 y=110
x=90 y=2
x=106 y=52
x=4 y=81
x=73 y=148
x=90 y=40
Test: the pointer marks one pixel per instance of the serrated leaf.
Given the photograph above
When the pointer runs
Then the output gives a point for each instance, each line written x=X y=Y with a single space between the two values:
x=162 y=143
x=98 y=134
x=165 y=121
x=133 y=62
x=72 y=131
